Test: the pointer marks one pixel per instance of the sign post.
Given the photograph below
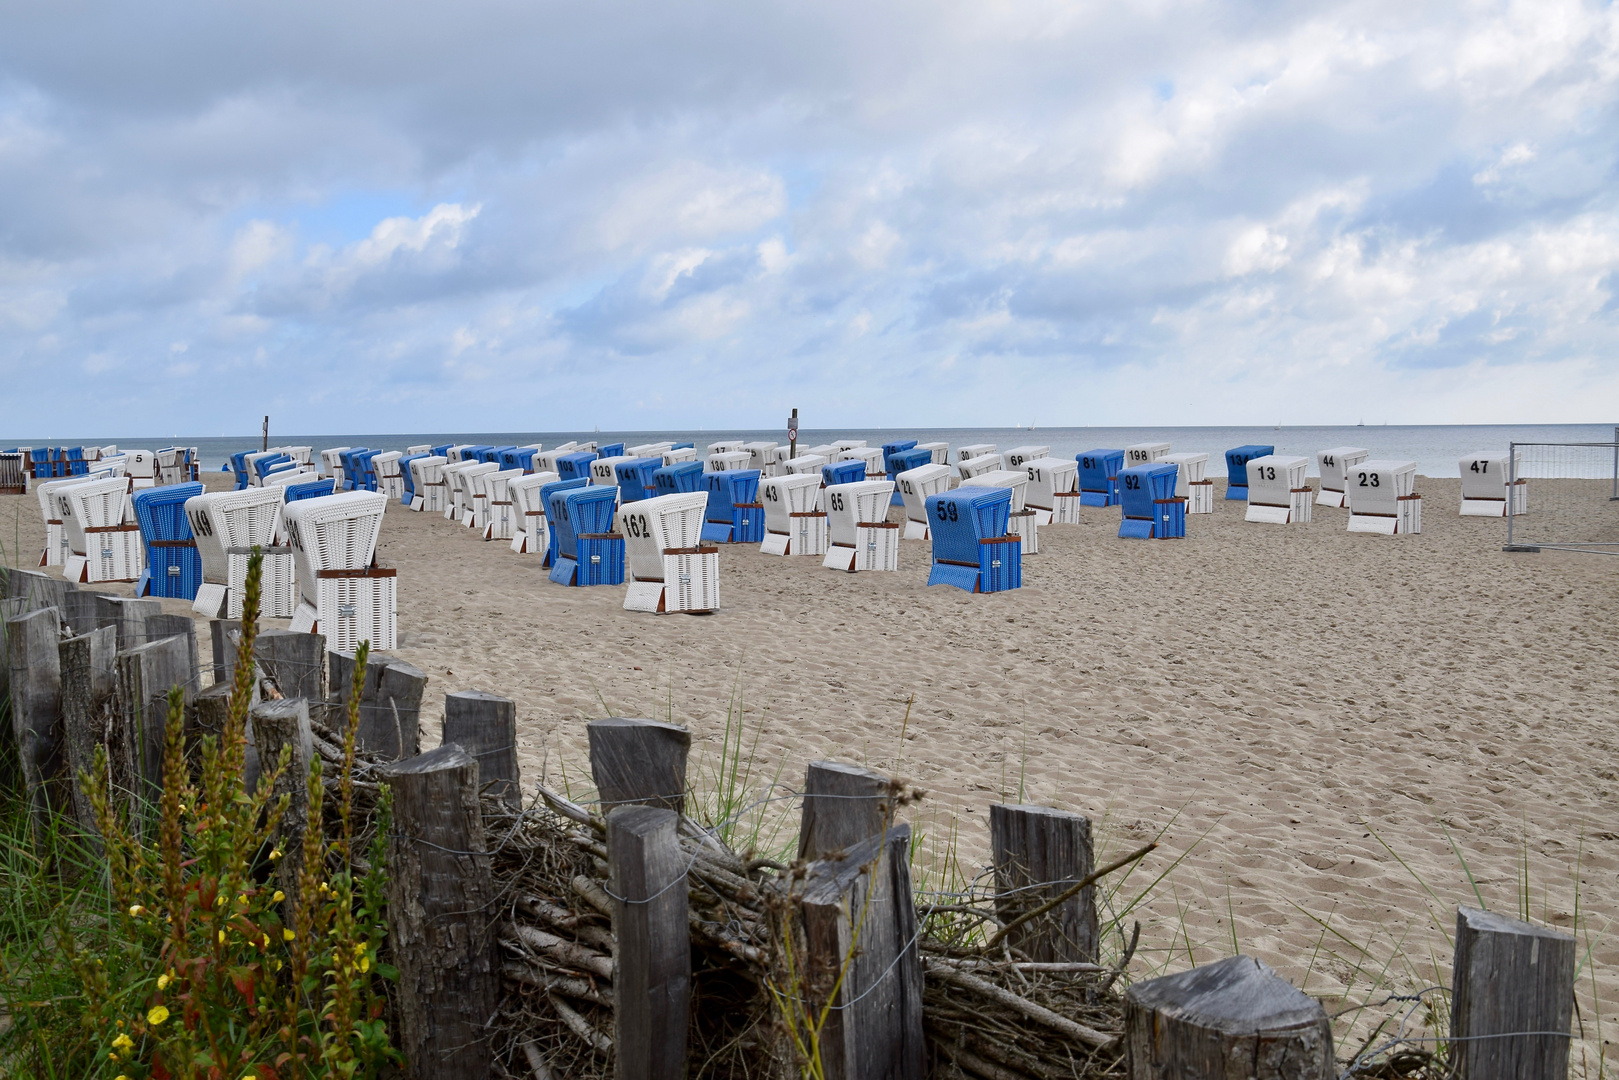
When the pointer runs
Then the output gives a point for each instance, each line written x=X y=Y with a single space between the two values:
x=792 y=435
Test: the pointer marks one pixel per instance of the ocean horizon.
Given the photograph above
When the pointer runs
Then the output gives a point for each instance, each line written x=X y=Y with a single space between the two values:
x=1436 y=448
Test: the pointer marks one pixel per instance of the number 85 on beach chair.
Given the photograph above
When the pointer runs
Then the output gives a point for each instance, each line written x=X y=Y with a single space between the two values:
x=862 y=538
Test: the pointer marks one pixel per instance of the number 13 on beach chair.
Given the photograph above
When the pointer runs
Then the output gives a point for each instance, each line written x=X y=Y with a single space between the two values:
x=1277 y=493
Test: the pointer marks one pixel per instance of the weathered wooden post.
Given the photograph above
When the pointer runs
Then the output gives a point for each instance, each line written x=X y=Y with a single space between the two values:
x=128 y=614
x=223 y=635
x=440 y=905
x=1511 y=1000
x=278 y=724
x=652 y=970
x=1234 y=1017
x=81 y=609
x=36 y=589
x=639 y=761
x=857 y=910
x=160 y=626
x=36 y=705
x=296 y=662
x=843 y=805
x=390 y=702
x=145 y=675
x=485 y=726
x=209 y=712
x=1039 y=852
x=88 y=683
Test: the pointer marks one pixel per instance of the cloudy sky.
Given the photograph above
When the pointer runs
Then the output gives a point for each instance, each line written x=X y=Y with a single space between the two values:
x=391 y=217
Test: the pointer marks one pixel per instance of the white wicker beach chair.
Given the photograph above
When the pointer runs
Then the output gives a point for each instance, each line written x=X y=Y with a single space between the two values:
x=390 y=481
x=978 y=466
x=675 y=457
x=806 y=463
x=476 y=513
x=104 y=539
x=500 y=511
x=1022 y=521
x=861 y=536
x=531 y=534
x=871 y=455
x=227 y=526
x=1486 y=483
x=915 y=485
x=1053 y=486
x=727 y=460
x=1192 y=481
x=428 y=484
x=670 y=567
x=1383 y=498
x=795 y=523
x=1277 y=493
x=342 y=594
x=1334 y=465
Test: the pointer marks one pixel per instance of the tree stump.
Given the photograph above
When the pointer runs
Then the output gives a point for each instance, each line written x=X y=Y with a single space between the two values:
x=639 y=762
x=390 y=703
x=81 y=609
x=874 y=1030
x=89 y=681
x=485 y=726
x=36 y=708
x=223 y=635
x=1235 y=1017
x=1510 y=977
x=440 y=905
x=278 y=724
x=652 y=968
x=843 y=805
x=160 y=626
x=1038 y=853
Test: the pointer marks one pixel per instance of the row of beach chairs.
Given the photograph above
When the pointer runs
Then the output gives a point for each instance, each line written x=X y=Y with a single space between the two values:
x=22 y=468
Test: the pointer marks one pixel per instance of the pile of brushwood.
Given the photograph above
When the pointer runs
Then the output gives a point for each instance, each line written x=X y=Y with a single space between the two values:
x=989 y=1016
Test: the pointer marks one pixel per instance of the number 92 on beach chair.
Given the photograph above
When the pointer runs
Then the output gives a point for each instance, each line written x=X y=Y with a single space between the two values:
x=670 y=569
x=1149 y=508
x=971 y=547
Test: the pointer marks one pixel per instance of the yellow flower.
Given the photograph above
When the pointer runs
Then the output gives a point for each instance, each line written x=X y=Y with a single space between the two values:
x=121 y=1076
x=222 y=937
x=219 y=901
x=266 y=943
x=156 y=1015
x=275 y=854
x=365 y=963
x=163 y=981
x=279 y=896
x=136 y=911
x=124 y=1042
x=275 y=965
x=242 y=898
x=287 y=934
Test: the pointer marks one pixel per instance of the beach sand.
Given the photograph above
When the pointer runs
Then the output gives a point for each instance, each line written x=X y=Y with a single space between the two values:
x=1278 y=702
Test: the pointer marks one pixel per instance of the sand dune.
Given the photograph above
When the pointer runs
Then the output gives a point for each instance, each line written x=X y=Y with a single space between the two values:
x=1275 y=698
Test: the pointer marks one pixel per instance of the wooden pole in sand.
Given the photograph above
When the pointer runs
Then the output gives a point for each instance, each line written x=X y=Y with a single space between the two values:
x=652 y=968
x=278 y=724
x=485 y=726
x=36 y=706
x=1511 y=999
x=858 y=912
x=639 y=762
x=1234 y=1017
x=390 y=702
x=843 y=805
x=1038 y=852
x=88 y=684
x=439 y=914
x=145 y=675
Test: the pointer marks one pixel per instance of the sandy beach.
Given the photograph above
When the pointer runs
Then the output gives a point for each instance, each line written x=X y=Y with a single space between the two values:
x=1281 y=702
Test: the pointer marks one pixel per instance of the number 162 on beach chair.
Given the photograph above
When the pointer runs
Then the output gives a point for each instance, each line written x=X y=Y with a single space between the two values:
x=670 y=568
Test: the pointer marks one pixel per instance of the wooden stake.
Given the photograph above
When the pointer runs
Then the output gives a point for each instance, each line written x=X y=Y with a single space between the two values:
x=858 y=913
x=390 y=702
x=296 y=662
x=278 y=724
x=36 y=589
x=1510 y=977
x=223 y=635
x=639 y=761
x=1049 y=850
x=440 y=903
x=652 y=977
x=485 y=726
x=128 y=614
x=145 y=674
x=843 y=805
x=1234 y=1017
x=36 y=707
x=88 y=684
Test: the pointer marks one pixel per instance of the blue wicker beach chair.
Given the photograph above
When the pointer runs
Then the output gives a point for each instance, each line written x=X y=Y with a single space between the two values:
x=971 y=548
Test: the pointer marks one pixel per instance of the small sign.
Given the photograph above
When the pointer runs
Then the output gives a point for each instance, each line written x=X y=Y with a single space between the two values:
x=792 y=429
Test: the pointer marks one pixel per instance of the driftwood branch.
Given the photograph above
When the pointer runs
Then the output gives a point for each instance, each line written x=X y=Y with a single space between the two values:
x=1038 y=1013
x=1066 y=895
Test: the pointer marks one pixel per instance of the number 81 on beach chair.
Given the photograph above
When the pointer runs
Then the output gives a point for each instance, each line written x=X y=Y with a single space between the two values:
x=971 y=547
x=670 y=568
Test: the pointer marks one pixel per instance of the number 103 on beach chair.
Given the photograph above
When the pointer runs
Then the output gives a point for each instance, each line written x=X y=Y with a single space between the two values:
x=342 y=593
x=587 y=551
x=670 y=569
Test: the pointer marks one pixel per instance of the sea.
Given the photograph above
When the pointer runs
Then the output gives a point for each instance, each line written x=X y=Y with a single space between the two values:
x=1437 y=449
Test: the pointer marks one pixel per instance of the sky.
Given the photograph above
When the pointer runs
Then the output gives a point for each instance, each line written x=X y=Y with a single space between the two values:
x=528 y=216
